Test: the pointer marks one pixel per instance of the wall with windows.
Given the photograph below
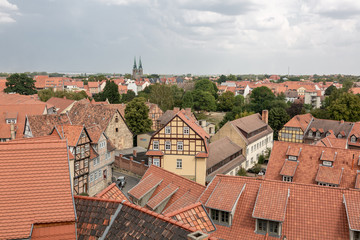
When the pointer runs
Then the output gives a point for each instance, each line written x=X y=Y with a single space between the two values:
x=291 y=134
x=100 y=168
x=257 y=148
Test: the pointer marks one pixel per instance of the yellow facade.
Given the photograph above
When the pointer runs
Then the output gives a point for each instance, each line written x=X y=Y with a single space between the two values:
x=291 y=134
x=180 y=143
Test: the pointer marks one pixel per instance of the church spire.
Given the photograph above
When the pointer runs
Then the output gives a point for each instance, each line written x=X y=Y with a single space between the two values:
x=140 y=64
x=134 y=67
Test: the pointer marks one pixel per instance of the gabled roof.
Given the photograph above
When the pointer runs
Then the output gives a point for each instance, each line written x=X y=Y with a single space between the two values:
x=43 y=195
x=163 y=195
x=356 y=132
x=293 y=151
x=220 y=150
x=301 y=121
x=70 y=132
x=329 y=175
x=289 y=168
x=42 y=125
x=112 y=192
x=309 y=163
x=332 y=141
x=196 y=216
x=113 y=219
x=60 y=103
x=188 y=191
x=336 y=126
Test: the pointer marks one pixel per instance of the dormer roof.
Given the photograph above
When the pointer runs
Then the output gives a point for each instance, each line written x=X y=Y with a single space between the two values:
x=289 y=168
x=293 y=151
x=329 y=175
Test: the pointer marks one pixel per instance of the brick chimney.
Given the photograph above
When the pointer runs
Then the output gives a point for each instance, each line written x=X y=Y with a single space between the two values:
x=176 y=109
x=134 y=153
x=265 y=116
x=12 y=131
x=342 y=121
x=188 y=112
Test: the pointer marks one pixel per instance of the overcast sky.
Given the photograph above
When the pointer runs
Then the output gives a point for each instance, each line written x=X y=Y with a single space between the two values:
x=181 y=36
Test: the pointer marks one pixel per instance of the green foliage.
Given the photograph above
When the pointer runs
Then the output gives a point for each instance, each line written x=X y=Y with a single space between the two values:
x=239 y=101
x=188 y=100
x=261 y=159
x=95 y=78
x=204 y=101
x=226 y=101
x=46 y=94
x=261 y=98
x=277 y=119
x=84 y=194
x=177 y=94
x=128 y=96
x=330 y=89
x=257 y=168
x=207 y=86
x=222 y=79
x=136 y=115
x=111 y=92
x=161 y=94
x=347 y=84
x=241 y=172
x=295 y=109
x=320 y=113
x=232 y=78
x=346 y=107
x=127 y=76
x=20 y=83
x=243 y=114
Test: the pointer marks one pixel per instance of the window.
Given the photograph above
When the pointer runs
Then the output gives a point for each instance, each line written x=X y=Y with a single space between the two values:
x=310 y=133
x=252 y=160
x=327 y=163
x=220 y=216
x=99 y=174
x=167 y=145
x=156 y=145
x=76 y=182
x=95 y=175
x=82 y=152
x=86 y=163
x=287 y=179
x=252 y=148
x=167 y=130
x=116 y=129
x=105 y=174
x=356 y=235
x=96 y=161
x=328 y=133
x=353 y=139
x=299 y=137
x=265 y=226
x=77 y=164
x=91 y=177
x=77 y=150
x=340 y=136
x=179 y=163
x=157 y=162
x=292 y=158
x=87 y=147
x=186 y=130
x=153 y=115
x=180 y=146
x=116 y=120
x=102 y=144
x=317 y=134
x=149 y=161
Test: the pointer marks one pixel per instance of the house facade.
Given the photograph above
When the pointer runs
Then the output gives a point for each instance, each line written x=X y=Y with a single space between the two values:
x=180 y=146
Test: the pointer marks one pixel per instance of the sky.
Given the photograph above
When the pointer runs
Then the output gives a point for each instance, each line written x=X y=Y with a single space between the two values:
x=181 y=36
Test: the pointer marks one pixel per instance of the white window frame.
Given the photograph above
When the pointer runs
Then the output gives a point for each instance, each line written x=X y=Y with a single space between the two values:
x=77 y=166
x=180 y=146
x=267 y=224
x=167 y=145
x=86 y=163
x=91 y=177
x=76 y=181
x=218 y=216
x=287 y=179
x=167 y=130
x=95 y=175
x=156 y=145
x=96 y=161
x=179 y=163
x=156 y=162
x=186 y=130
x=353 y=139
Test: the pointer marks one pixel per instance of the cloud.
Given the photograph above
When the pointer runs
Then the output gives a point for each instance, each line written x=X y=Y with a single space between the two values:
x=6 y=11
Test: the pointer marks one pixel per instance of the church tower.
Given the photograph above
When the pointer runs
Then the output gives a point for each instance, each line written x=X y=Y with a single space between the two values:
x=135 y=70
x=140 y=71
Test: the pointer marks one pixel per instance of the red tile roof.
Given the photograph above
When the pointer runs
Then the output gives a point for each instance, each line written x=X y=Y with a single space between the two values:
x=164 y=194
x=112 y=192
x=71 y=133
x=301 y=121
x=309 y=163
x=42 y=125
x=352 y=206
x=224 y=198
x=44 y=193
x=154 y=153
x=293 y=151
x=332 y=141
x=329 y=175
x=289 y=168
x=271 y=203
x=196 y=216
x=145 y=185
x=60 y=103
x=93 y=84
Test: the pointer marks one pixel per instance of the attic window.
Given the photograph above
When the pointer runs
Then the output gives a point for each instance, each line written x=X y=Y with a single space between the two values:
x=186 y=130
x=328 y=133
x=317 y=134
x=310 y=133
x=220 y=217
x=271 y=227
x=353 y=139
x=327 y=163
x=292 y=158
x=356 y=235
x=339 y=135
x=116 y=119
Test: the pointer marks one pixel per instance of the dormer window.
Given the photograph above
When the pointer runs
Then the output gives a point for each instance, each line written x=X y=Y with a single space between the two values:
x=310 y=133
x=339 y=135
x=220 y=217
x=317 y=134
x=8 y=121
x=167 y=130
x=265 y=226
x=292 y=158
x=353 y=139
x=327 y=163
x=328 y=134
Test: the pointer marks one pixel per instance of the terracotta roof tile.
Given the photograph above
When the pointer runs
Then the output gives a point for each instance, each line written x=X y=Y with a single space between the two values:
x=42 y=125
x=328 y=156
x=145 y=185
x=225 y=196
x=46 y=195
x=60 y=103
x=196 y=216
x=154 y=153
x=164 y=194
x=289 y=168
x=357 y=181
x=293 y=151
x=301 y=121
x=352 y=205
x=71 y=132
x=112 y=192
x=329 y=175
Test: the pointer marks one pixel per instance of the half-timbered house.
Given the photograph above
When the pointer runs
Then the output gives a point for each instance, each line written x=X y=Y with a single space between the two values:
x=180 y=146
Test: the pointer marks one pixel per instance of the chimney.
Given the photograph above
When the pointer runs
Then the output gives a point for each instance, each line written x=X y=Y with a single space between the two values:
x=12 y=131
x=131 y=158
x=198 y=235
x=64 y=97
x=342 y=121
x=188 y=112
x=265 y=116
x=176 y=109
x=134 y=153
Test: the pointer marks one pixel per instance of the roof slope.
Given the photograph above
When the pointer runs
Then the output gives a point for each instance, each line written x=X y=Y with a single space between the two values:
x=112 y=192
x=42 y=125
x=309 y=163
x=60 y=103
x=301 y=121
x=35 y=186
x=220 y=150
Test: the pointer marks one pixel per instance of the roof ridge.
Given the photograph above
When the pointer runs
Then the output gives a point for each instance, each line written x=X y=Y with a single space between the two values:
x=183 y=209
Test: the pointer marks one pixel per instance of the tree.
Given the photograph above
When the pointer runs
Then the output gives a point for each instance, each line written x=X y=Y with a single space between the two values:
x=177 y=94
x=277 y=119
x=207 y=86
x=127 y=97
x=239 y=101
x=161 y=94
x=204 y=101
x=46 y=94
x=20 y=83
x=137 y=116
x=347 y=84
x=221 y=79
x=261 y=98
x=226 y=101
x=243 y=114
x=111 y=92
x=188 y=100
x=241 y=172
x=346 y=107
x=329 y=90
x=295 y=109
